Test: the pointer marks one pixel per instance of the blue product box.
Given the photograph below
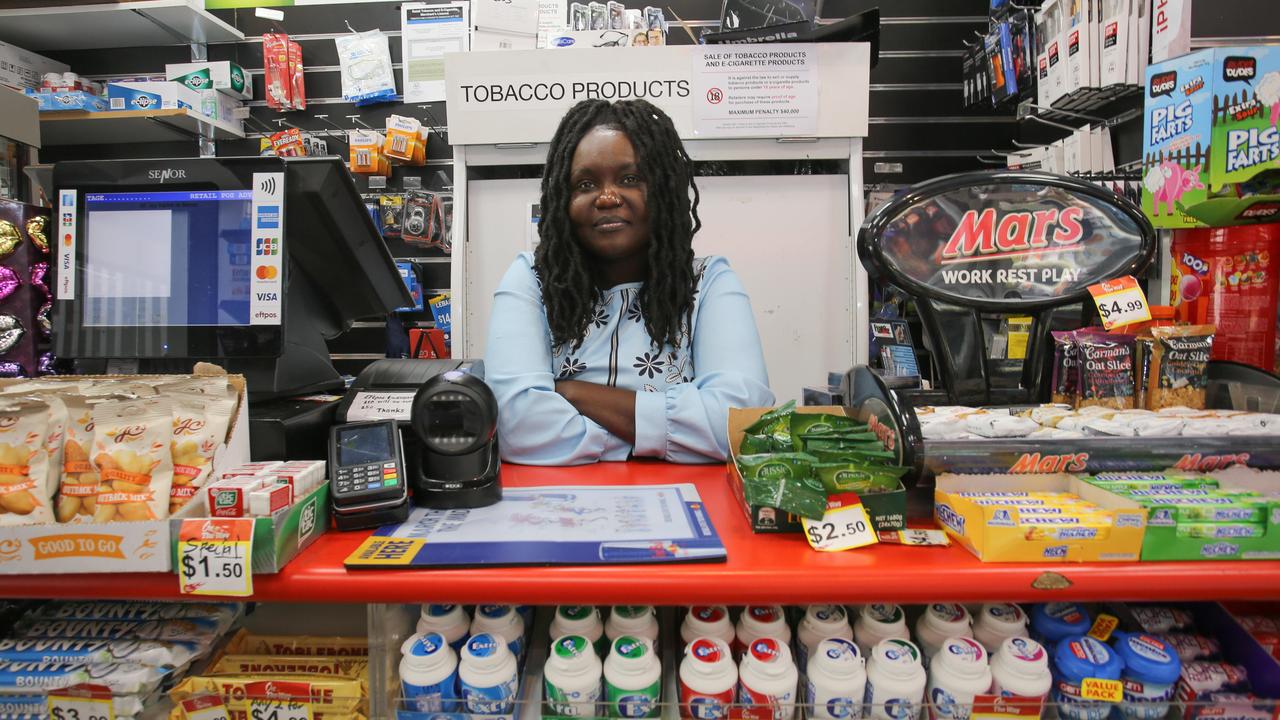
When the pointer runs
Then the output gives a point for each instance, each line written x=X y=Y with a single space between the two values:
x=68 y=100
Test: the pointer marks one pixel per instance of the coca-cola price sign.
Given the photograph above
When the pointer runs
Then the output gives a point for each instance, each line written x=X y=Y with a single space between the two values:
x=1005 y=240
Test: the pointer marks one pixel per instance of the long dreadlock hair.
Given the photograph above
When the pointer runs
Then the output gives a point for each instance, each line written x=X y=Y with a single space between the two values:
x=569 y=292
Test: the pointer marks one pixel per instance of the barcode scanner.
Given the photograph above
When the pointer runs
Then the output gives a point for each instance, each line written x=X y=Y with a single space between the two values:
x=455 y=418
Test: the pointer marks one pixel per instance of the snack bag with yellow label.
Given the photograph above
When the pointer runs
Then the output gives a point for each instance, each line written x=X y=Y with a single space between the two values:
x=25 y=495
x=78 y=490
x=132 y=454
x=195 y=440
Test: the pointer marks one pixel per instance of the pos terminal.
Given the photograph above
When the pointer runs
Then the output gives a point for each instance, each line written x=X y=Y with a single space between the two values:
x=448 y=458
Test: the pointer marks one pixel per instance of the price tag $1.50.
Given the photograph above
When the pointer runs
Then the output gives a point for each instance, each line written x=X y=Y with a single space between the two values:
x=214 y=556
x=1120 y=302
x=843 y=526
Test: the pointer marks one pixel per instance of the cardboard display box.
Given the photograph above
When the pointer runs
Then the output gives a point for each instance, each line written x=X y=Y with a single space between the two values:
x=993 y=536
x=117 y=546
x=887 y=511
x=1162 y=542
x=22 y=69
x=279 y=538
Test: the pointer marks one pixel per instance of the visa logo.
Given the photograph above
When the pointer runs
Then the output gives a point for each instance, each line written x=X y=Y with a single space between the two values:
x=268 y=296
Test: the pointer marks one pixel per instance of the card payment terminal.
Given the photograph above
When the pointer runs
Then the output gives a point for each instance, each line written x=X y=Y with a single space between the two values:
x=366 y=461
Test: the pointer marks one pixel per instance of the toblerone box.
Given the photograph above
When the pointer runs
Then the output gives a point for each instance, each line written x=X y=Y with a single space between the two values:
x=985 y=529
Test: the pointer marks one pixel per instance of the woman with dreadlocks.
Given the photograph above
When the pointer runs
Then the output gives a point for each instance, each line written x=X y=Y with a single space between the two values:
x=612 y=339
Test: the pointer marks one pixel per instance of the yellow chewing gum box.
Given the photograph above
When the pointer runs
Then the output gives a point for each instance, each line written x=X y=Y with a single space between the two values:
x=1094 y=526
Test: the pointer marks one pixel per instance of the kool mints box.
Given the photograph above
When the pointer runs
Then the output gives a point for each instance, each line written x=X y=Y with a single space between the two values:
x=224 y=76
x=1175 y=138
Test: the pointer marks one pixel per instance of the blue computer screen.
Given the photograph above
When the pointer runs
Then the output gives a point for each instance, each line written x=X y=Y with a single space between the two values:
x=172 y=258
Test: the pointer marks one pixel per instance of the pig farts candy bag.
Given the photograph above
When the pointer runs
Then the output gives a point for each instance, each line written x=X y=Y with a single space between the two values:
x=131 y=449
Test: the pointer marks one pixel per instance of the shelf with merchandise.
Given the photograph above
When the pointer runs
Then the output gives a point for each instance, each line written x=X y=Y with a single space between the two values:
x=761 y=568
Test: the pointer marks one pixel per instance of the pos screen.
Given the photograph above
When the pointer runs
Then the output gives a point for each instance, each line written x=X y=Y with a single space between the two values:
x=365 y=444
x=170 y=258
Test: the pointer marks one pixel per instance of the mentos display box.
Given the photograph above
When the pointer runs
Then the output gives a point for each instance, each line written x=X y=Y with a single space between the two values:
x=1211 y=138
x=151 y=96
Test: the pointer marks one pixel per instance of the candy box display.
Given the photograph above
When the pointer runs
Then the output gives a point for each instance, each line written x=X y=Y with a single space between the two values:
x=68 y=100
x=25 y=293
x=1038 y=518
x=1211 y=143
x=151 y=96
x=1237 y=520
x=886 y=507
x=223 y=76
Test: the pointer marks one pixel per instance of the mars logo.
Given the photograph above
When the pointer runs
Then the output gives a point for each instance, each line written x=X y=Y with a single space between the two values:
x=1017 y=233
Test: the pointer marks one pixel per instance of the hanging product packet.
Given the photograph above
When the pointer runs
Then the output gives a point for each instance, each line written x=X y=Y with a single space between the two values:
x=1065 y=368
x=199 y=429
x=365 y=62
x=25 y=491
x=1106 y=370
x=131 y=450
x=1179 y=369
x=78 y=488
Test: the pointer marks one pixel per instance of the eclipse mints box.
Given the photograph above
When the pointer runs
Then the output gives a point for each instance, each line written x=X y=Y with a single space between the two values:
x=151 y=96
x=224 y=76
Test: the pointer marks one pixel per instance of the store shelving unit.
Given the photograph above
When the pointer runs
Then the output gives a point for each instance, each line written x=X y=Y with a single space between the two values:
x=760 y=569
x=141 y=23
x=77 y=127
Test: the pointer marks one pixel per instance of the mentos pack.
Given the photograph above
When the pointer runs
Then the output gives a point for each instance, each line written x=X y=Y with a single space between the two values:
x=1212 y=147
x=1175 y=138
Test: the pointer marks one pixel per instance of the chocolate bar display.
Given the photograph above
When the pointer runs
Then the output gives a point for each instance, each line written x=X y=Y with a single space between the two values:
x=24 y=292
x=1006 y=243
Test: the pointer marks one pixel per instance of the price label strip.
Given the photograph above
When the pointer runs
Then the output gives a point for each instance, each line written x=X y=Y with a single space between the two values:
x=214 y=557
x=843 y=526
x=1111 y=691
x=279 y=709
x=914 y=537
x=204 y=707
x=1120 y=302
x=81 y=702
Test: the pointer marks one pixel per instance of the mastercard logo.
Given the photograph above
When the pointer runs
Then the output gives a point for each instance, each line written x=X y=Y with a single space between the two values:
x=66 y=239
x=267 y=272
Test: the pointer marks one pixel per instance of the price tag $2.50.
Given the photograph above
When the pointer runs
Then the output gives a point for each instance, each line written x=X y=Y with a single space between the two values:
x=844 y=526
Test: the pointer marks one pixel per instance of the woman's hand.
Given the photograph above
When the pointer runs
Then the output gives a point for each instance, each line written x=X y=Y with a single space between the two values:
x=614 y=408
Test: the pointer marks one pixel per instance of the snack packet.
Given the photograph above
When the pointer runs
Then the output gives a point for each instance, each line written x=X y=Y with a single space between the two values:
x=199 y=429
x=131 y=451
x=78 y=488
x=1066 y=373
x=25 y=489
x=1106 y=370
x=1179 y=365
x=245 y=643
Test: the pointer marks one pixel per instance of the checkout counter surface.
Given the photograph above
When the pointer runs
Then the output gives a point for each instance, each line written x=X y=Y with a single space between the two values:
x=760 y=568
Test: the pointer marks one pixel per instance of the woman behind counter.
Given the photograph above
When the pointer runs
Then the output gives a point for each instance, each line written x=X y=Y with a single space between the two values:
x=612 y=339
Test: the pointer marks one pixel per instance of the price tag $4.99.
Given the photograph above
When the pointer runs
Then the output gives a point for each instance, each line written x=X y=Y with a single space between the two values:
x=1120 y=302
x=843 y=526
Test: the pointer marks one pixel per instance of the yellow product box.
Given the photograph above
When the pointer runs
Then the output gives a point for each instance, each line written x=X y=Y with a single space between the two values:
x=1112 y=531
x=366 y=153
x=329 y=697
x=404 y=141
x=245 y=643
x=352 y=668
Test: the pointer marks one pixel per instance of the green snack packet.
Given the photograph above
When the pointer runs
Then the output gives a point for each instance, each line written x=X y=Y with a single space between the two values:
x=804 y=497
x=780 y=440
x=823 y=424
x=854 y=446
x=782 y=411
x=802 y=442
x=754 y=445
x=869 y=454
x=847 y=477
x=1220 y=531
x=787 y=466
x=763 y=492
